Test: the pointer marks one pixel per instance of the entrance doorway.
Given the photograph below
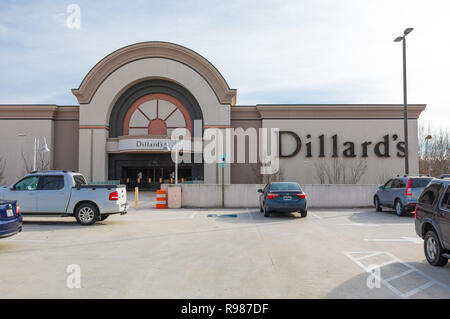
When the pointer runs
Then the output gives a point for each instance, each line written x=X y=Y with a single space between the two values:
x=156 y=168
x=151 y=178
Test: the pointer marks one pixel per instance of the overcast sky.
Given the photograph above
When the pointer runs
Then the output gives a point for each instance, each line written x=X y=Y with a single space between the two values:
x=300 y=51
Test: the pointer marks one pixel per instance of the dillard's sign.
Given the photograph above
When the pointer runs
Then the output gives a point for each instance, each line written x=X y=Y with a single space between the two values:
x=313 y=148
x=148 y=144
x=381 y=148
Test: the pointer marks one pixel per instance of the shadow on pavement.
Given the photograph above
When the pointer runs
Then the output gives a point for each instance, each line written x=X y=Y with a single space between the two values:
x=372 y=216
x=357 y=286
x=255 y=217
x=68 y=223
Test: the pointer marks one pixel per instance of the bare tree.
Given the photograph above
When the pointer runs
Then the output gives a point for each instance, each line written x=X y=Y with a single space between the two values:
x=357 y=170
x=340 y=171
x=335 y=171
x=2 y=170
x=319 y=171
x=434 y=151
x=42 y=162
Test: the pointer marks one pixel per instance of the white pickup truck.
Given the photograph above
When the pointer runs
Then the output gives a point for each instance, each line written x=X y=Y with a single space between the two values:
x=63 y=193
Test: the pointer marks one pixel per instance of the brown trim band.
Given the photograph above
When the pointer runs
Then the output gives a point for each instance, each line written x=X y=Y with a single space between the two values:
x=93 y=127
x=322 y=111
x=217 y=126
x=39 y=112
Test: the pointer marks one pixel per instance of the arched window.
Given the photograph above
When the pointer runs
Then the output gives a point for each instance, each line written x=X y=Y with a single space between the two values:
x=156 y=114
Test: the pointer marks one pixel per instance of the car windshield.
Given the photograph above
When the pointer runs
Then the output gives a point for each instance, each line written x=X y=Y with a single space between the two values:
x=420 y=182
x=284 y=187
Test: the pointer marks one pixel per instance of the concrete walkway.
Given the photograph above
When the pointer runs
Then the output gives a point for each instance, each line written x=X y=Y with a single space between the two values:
x=146 y=199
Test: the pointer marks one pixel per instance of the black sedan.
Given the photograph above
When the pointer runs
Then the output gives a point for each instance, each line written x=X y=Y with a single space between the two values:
x=282 y=197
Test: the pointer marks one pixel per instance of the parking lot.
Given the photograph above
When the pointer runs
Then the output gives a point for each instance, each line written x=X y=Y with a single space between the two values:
x=222 y=253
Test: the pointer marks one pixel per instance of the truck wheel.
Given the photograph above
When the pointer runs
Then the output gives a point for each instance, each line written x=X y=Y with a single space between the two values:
x=304 y=213
x=433 y=249
x=102 y=217
x=377 y=204
x=86 y=214
x=266 y=212
x=399 y=209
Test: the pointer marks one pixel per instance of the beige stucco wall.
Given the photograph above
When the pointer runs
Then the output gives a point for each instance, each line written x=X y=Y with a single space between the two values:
x=303 y=170
x=17 y=138
x=97 y=112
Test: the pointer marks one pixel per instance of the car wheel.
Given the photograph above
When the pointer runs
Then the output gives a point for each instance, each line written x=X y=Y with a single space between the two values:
x=433 y=249
x=377 y=204
x=103 y=217
x=86 y=214
x=266 y=212
x=304 y=213
x=399 y=209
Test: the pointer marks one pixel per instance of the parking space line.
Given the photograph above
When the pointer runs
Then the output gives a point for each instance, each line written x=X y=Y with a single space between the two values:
x=382 y=264
x=368 y=256
x=24 y=240
x=375 y=225
x=316 y=216
x=414 y=240
x=400 y=275
x=419 y=289
x=411 y=269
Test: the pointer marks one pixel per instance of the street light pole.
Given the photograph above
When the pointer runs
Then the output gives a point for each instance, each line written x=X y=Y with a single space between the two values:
x=405 y=109
x=34 y=154
x=176 y=166
x=405 y=98
x=176 y=149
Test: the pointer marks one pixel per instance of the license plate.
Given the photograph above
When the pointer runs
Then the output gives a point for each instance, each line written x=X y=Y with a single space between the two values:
x=287 y=197
x=9 y=213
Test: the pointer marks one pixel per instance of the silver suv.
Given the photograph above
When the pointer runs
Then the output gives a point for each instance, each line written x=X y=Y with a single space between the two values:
x=400 y=193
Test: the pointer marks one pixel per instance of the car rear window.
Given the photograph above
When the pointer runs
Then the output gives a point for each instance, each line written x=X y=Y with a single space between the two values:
x=420 y=182
x=79 y=180
x=430 y=194
x=284 y=187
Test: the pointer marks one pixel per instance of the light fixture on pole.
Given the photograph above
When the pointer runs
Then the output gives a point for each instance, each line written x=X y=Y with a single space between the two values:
x=174 y=148
x=405 y=100
x=44 y=149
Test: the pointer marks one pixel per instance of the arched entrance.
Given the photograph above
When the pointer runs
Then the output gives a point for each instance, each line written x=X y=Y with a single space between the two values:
x=147 y=113
x=129 y=73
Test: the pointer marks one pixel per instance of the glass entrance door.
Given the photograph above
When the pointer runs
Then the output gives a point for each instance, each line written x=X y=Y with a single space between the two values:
x=151 y=178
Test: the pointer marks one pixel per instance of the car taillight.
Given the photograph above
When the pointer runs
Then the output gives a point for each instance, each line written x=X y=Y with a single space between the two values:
x=409 y=190
x=114 y=195
x=272 y=195
x=17 y=210
x=415 y=213
x=302 y=195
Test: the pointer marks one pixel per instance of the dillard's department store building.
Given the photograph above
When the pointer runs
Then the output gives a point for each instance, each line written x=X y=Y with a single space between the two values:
x=131 y=100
